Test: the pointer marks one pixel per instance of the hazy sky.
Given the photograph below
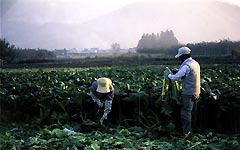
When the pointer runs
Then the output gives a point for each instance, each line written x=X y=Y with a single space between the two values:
x=98 y=7
x=113 y=4
x=95 y=8
x=90 y=8
x=35 y=15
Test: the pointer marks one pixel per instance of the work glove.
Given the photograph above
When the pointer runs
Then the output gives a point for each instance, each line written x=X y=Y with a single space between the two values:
x=103 y=118
x=166 y=72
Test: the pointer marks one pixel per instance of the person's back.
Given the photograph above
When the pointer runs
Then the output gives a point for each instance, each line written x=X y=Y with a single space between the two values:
x=191 y=81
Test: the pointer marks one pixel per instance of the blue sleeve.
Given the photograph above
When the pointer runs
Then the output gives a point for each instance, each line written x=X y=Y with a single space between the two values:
x=93 y=87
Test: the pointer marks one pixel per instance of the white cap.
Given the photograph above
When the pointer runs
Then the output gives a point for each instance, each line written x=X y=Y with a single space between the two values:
x=183 y=51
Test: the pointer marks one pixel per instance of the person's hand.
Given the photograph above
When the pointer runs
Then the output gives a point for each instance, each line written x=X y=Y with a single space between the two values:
x=166 y=72
x=175 y=70
x=195 y=98
x=103 y=118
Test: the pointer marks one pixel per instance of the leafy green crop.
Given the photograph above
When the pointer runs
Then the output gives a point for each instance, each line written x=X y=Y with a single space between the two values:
x=119 y=138
x=59 y=96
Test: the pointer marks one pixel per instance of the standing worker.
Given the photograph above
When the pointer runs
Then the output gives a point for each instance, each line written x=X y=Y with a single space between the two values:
x=102 y=93
x=189 y=74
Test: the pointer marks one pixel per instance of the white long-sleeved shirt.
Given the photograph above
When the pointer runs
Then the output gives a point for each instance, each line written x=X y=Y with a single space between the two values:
x=182 y=72
x=189 y=74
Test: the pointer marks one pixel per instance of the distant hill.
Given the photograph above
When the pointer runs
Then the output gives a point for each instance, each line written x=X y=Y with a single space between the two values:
x=191 y=21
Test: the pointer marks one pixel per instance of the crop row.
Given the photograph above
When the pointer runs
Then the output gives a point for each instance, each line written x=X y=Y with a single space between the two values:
x=60 y=96
x=134 y=138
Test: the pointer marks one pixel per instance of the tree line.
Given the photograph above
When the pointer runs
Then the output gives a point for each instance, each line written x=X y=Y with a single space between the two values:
x=223 y=47
x=9 y=53
x=7 y=50
x=154 y=43
x=166 y=43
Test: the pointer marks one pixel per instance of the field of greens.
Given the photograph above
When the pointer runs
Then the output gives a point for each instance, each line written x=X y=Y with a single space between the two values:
x=38 y=105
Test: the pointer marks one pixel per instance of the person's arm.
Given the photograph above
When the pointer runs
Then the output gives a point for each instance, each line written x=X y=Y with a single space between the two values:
x=108 y=102
x=182 y=72
x=107 y=107
x=107 y=110
x=93 y=89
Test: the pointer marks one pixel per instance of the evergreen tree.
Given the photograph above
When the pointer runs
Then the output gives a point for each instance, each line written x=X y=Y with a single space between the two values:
x=7 y=50
x=157 y=42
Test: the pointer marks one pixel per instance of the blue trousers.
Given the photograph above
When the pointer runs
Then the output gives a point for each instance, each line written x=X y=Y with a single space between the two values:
x=186 y=113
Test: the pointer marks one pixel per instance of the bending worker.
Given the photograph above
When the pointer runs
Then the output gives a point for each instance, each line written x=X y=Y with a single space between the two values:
x=189 y=74
x=102 y=93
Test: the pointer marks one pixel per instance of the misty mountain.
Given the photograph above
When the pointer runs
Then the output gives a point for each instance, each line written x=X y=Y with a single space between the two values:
x=191 y=21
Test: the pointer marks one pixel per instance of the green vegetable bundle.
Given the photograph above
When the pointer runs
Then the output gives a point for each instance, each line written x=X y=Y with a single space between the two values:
x=170 y=89
x=170 y=92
